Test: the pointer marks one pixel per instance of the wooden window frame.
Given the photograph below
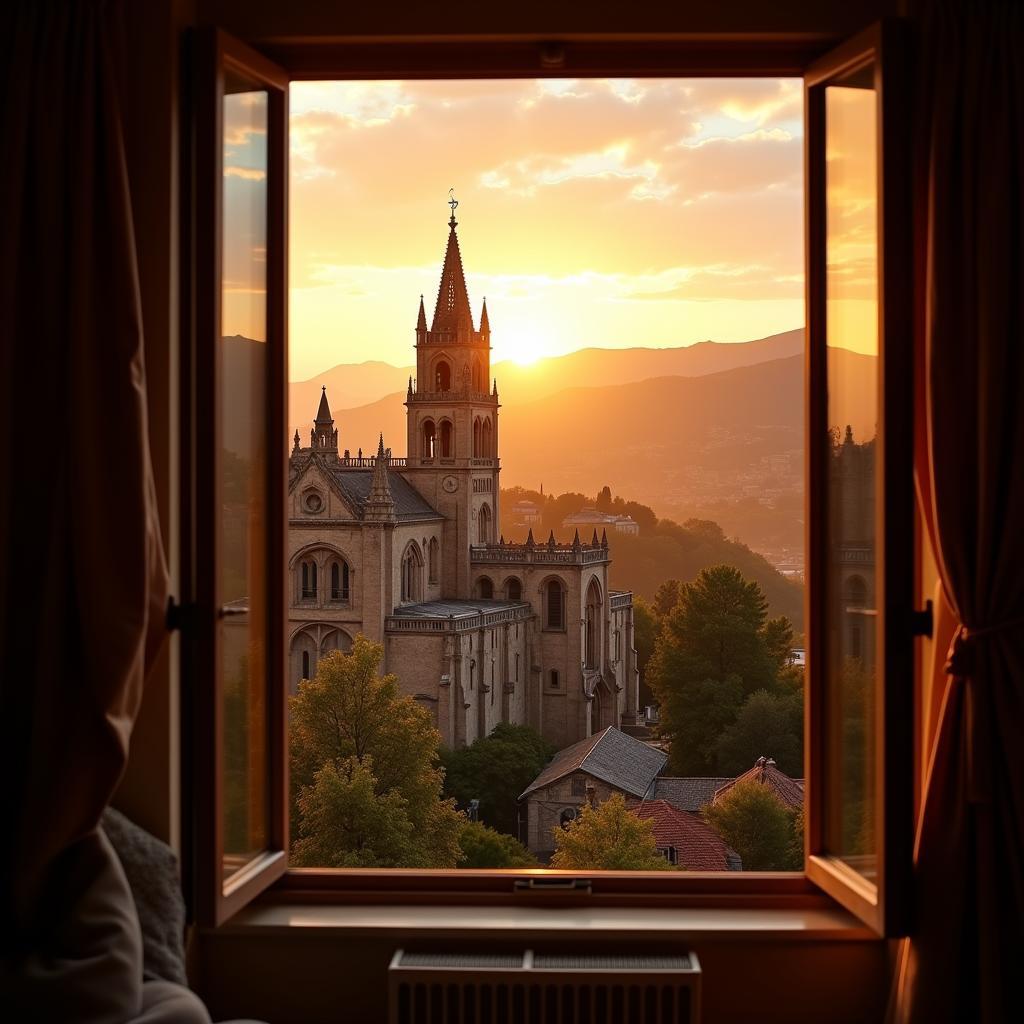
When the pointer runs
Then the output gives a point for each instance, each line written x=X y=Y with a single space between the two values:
x=213 y=900
x=678 y=56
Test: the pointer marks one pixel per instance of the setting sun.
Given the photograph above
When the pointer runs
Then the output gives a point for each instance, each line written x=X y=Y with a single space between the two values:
x=523 y=345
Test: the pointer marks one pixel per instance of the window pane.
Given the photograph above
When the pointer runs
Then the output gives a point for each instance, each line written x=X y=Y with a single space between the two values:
x=243 y=483
x=852 y=340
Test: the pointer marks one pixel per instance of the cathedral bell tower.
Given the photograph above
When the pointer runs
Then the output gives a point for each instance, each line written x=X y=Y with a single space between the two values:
x=453 y=420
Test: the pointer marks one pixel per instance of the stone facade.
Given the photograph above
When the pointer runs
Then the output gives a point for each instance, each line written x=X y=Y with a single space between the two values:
x=403 y=550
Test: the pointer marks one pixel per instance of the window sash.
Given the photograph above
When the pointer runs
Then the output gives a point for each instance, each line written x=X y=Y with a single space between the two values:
x=884 y=904
x=211 y=899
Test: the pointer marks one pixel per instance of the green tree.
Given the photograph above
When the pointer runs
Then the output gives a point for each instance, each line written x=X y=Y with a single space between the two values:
x=495 y=770
x=768 y=724
x=757 y=825
x=482 y=847
x=366 y=784
x=645 y=633
x=608 y=837
x=713 y=651
x=666 y=598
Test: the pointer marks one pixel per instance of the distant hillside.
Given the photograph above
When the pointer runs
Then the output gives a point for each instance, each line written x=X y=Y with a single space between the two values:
x=654 y=439
x=350 y=385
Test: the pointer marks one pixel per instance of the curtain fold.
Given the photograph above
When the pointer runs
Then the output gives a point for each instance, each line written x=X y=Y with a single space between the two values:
x=962 y=962
x=83 y=581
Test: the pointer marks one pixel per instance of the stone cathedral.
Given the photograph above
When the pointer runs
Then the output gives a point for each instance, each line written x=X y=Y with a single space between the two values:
x=404 y=551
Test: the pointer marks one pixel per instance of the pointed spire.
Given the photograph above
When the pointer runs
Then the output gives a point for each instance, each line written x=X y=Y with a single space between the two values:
x=295 y=440
x=494 y=390
x=501 y=541
x=530 y=542
x=551 y=539
x=595 y=543
x=604 y=539
x=485 y=323
x=576 y=540
x=323 y=414
x=452 y=312
x=380 y=506
x=421 y=320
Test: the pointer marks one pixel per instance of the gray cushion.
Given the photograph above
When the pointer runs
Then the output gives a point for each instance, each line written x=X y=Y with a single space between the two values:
x=152 y=871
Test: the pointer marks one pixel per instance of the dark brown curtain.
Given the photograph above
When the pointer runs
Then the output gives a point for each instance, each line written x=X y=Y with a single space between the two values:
x=82 y=570
x=963 y=962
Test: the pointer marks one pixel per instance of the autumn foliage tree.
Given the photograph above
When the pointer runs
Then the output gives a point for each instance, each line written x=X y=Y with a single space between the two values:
x=365 y=779
x=608 y=837
x=759 y=827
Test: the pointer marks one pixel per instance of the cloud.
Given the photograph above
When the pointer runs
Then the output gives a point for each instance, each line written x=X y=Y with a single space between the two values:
x=248 y=173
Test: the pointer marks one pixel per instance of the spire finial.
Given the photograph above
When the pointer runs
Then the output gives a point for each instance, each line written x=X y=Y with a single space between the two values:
x=453 y=203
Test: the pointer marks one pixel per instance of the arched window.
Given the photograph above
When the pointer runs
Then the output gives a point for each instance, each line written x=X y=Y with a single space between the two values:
x=476 y=439
x=432 y=559
x=514 y=589
x=478 y=376
x=485 y=588
x=592 y=627
x=428 y=439
x=305 y=664
x=339 y=581
x=446 y=439
x=412 y=573
x=309 y=581
x=484 y=525
x=443 y=376
x=856 y=590
x=485 y=440
x=554 y=599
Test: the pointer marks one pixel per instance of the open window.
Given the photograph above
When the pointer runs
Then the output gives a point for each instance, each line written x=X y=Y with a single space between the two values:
x=860 y=480
x=859 y=760
x=236 y=420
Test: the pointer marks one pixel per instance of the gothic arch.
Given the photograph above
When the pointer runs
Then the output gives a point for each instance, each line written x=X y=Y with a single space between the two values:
x=447 y=440
x=486 y=440
x=433 y=559
x=593 y=623
x=476 y=438
x=485 y=588
x=483 y=524
x=429 y=439
x=442 y=374
x=313 y=576
x=553 y=591
x=412 y=573
x=513 y=587
x=478 y=376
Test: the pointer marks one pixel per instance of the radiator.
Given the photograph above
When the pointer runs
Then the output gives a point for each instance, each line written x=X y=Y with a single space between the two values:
x=543 y=988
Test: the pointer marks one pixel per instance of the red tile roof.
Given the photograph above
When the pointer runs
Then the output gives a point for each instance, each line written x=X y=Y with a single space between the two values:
x=789 y=791
x=698 y=847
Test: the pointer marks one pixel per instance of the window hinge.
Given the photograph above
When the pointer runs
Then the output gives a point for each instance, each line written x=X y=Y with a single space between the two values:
x=180 y=616
x=554 y=885
x=921 y=621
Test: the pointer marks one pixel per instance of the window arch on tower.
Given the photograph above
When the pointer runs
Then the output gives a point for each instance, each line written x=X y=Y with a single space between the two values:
x=443 y=376
x=476 y=438
x=554 y=605
x=483 y=523
x=478 y=376
x=308 y=573
x=412 y=573
x=447 y=448
x=486 y=439
x=429 y=439
x=433 y=558
x=592 y=626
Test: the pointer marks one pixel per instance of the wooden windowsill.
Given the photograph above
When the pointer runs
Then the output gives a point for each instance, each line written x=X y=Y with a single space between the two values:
x=831 y=924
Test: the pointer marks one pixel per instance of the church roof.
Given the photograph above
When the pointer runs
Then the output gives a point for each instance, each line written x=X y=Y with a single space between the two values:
x=624 y=762
x=356 y=484
x=452 y=312
x=789 y=791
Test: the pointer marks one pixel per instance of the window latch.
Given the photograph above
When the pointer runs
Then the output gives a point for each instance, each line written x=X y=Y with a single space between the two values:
x=555 y=885
x=921 y=621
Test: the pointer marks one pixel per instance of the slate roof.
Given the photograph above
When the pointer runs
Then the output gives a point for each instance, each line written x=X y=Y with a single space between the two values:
x=456 y=609
x=698 y=847
x=624 y=762
x=789 y=791
x=410 y=505
x=688 y=794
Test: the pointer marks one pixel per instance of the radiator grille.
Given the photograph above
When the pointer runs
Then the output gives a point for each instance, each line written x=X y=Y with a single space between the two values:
x=461 y=988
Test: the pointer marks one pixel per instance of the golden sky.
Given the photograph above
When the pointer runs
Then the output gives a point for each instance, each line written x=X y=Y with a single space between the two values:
x=592 y=213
